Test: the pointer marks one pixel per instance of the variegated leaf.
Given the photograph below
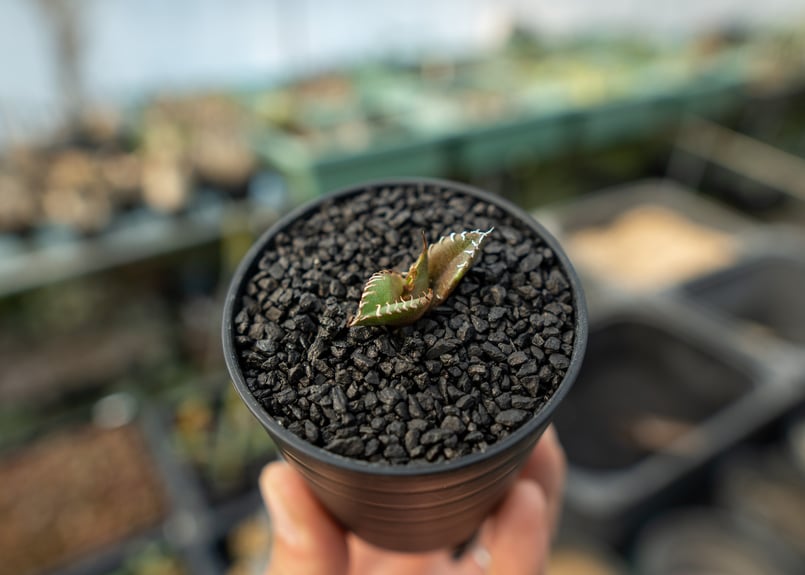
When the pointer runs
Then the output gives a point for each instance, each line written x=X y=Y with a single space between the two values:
x=383 y=287
x=400 y=312
x=417 y=280
x=384 y=301
x=450 y=258
x=390 y=299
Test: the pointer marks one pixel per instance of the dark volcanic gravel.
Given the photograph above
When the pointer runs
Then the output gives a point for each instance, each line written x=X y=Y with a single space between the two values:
x=458 y=380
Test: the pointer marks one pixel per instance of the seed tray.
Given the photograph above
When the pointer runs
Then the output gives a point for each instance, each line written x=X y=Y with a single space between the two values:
x=108 y=490
x=627 y=119
x=183 y=524
x=657 y=351
x=309 y=177
x=673 y=207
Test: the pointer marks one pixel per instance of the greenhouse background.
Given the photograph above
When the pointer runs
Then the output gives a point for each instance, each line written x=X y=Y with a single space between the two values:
x=145 y=145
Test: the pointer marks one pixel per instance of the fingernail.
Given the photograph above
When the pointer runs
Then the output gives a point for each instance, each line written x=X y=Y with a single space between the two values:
x=282 y=521
x=473 y=550
x=482 y=557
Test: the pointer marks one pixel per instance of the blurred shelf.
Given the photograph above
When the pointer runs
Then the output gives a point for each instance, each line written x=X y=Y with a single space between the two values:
x=486 y=149
x=470 y=118
x=482 y=148
x=140 y=236
x=309 y=176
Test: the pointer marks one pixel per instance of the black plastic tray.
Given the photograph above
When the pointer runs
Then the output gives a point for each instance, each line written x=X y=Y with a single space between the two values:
x=601 y=207
x=611 y=502
x=107 y=557
x=670 y=329
x=638 y=370
x=764 y=295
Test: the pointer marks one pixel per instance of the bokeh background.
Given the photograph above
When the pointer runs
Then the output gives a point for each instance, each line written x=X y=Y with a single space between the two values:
x=145 y=144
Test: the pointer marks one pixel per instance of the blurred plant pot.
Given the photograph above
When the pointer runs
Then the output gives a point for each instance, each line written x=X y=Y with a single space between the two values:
x=702 y=540
x=416 y=506
x=691 y=395
x=761 y=296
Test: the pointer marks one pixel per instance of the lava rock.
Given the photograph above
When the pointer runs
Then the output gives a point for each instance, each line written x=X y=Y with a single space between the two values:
x=467 y=374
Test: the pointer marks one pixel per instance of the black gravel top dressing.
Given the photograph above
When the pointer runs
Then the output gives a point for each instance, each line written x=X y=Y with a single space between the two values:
x=458 y=380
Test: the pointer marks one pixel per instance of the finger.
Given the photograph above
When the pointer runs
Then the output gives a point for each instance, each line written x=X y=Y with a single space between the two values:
x=306 y=539
x=518 y=535
x=365 y=559
x=547 y=466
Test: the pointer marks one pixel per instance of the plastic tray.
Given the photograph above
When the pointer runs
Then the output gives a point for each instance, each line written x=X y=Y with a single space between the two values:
x=620 y=120
x=308 y=176
x=186 y=526
x=76 y=443
x=668 y=330
x=610 y=501
x=764 y=297
x=600 y=209
x=638 y=370
x=494 y=148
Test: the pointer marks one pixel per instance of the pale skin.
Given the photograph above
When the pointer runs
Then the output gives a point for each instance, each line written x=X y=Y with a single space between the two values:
x=514 y=540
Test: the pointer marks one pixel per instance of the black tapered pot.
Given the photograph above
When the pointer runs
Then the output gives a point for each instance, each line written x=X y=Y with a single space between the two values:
x=417 y=506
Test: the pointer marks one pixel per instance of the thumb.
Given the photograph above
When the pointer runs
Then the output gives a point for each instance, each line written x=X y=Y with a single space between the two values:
x=519 y=534
x=306 y=539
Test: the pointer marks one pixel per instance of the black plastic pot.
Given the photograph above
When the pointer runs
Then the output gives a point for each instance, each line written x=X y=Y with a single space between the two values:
x=639 y=370
x=415 y=507
x=661 y=395
x=764 y=292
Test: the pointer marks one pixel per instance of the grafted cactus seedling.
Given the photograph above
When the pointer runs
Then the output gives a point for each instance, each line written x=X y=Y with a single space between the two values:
x=389 y=298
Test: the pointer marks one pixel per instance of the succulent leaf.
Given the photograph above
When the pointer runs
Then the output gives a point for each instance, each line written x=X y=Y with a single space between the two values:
x=382 y=288
x=450 y=258
x=389 y=298
x=417 y=280
x=384 y=301
x=400 y=312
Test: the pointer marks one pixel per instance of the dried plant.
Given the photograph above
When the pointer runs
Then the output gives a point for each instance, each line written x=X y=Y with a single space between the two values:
x=389 y=298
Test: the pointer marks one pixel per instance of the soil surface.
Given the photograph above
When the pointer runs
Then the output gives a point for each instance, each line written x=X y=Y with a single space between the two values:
x=461 y=378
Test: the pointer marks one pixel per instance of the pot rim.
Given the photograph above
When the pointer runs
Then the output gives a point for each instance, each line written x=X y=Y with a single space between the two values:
x=540 y=418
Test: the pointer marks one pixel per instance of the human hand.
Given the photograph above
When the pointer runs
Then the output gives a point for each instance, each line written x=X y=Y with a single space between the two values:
x=514 y=540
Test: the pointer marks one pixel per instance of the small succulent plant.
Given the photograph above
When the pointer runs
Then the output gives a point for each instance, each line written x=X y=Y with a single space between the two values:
x=390 y=298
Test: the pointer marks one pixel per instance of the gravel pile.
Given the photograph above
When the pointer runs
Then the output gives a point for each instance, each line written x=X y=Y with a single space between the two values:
x=458 y=380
